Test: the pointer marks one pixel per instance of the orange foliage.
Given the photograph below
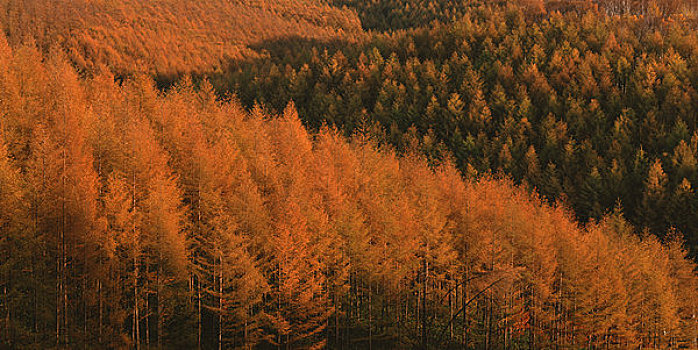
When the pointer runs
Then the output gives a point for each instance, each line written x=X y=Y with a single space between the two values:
x=166 y=37
x=273 y=233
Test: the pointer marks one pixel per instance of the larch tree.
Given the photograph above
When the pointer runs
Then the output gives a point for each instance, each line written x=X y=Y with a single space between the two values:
x=348 y=252
x=157 y=199
x=300 y=286
x=15 y=248
x=654 y=199
x=435 y=253
x=64 y=197
x=683 y=272
x=226 y=202
x=120 y=219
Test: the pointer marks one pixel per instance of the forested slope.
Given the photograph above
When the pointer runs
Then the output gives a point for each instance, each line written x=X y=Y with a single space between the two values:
x=167 y=37
x=471 y=174
x=134 y=218
x=594 y=109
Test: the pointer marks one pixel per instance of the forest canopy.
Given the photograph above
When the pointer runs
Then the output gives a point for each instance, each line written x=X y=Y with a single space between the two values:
x=132 y=216
x=593 y=109
x=165 y=37
x=308 y=174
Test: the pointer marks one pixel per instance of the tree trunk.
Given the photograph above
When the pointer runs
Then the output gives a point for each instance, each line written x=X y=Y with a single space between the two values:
x=58 y=303
x=220 y=304
x=64 y=224
x=370 y=318
x=244 y=335
x=99 y=297
x=423 y=320
x=278 y=305
x=147 y=308
x=450 y=312
x=160 y=305
x=7 y=310
x=464 y=302
x=198 y=292
x=84 y=305
x=136 y=316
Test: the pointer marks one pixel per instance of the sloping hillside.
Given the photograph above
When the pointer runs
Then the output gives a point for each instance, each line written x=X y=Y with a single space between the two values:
x=167 y=36
x=132 y=218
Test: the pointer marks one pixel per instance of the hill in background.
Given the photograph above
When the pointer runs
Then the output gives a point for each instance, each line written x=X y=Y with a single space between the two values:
x=167 y=37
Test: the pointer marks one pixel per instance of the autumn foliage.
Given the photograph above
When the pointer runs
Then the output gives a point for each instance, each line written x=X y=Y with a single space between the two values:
x=166 y=37
x=135 y=218
x=580 y=104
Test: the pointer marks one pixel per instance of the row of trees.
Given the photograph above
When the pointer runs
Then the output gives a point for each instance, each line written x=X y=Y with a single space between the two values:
x=584 y=107
x=134 y=218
